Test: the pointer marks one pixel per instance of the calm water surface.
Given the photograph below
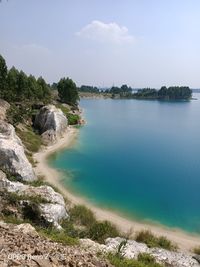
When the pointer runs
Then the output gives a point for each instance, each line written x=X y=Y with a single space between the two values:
x=140 y=158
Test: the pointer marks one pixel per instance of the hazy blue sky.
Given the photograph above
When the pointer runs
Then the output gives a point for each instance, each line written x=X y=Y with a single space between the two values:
x=105 y=42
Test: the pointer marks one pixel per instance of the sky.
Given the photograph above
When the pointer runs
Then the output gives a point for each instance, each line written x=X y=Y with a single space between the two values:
x=142 y=43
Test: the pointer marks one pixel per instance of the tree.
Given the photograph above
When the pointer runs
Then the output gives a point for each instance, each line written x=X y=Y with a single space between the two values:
x=43 y=89
x=3 y=76
x=12 y=85
x=67 y=91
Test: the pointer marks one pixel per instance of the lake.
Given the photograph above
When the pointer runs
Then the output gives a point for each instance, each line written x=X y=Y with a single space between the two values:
x=140 y=158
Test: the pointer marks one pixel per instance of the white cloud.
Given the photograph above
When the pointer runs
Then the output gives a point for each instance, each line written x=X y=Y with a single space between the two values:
x=106 y=32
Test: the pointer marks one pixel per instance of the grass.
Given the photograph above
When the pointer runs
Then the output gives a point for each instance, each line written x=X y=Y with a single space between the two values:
x=73 y=119
x=31 y=140
x=13 y=198
x=144 y=260
x=64 y=109
x=11 y=219
x=99 y=231
x=93 y=229
x=196 y=250
x=81 y=215
x=58 y=236
x=151 y=240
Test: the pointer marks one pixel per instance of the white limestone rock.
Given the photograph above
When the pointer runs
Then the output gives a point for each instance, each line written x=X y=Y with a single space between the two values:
x=52 y=211
x=51 y=122
x=12 y=157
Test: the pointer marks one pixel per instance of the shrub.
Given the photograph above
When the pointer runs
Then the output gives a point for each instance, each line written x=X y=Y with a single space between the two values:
x=14 y=198
x=58 y=236
x=151 y=240
x=64 y=109
x=11 y=219
x=31 y=140
x=142 y=261
x=81 y=215
x=99 y=231
x=73 y=119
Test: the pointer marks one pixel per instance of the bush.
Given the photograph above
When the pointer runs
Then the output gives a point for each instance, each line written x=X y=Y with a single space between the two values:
x=99 y=231
x=81 y=215
x=58 y=236
x=64 y=109
x=151 y=240
x=31 y=140
x=14 y=198
x=73 y=119
x=144 y=260
x=19 y=114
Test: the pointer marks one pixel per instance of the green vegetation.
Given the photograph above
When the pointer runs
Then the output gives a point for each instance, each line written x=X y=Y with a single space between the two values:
x=98 y=231
x=31 y=140
x=81 y=215
x=88 y=89
x=16 y=86
x=58 y=236
x=151 y=240
x=67 y=91
x=73 y=119
x=13 y=198
x=173 y=92
x=144 y=260
x=124 y=91
x=196 y=250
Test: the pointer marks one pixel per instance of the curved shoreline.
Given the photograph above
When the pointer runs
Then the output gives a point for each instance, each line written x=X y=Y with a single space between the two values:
x=184 y=240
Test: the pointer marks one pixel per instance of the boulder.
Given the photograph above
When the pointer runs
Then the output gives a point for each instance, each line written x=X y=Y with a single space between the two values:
x=51 y=122
x=12 y=157
x=132 y=249
x=52 y=211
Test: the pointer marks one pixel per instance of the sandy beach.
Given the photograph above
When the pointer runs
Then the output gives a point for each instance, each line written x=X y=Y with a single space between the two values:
x=184 y=240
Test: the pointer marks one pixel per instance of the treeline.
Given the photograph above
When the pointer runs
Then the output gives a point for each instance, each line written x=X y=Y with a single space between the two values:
x=88 y=89
x=16 y=86
x=173 y=92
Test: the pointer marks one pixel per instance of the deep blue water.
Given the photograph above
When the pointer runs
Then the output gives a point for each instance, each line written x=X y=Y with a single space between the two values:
x=140 y=158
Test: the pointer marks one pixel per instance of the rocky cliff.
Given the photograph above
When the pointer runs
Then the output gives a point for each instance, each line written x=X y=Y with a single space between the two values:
x=132 y=249
x=52 y=207
x=51 y=122
x=12 y=157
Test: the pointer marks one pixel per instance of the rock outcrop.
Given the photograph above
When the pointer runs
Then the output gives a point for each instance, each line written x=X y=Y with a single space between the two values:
x=51 y=122
x=3 y=108
x=12 y=157
x=133 y=248
x=53 y=210
x=20 y=245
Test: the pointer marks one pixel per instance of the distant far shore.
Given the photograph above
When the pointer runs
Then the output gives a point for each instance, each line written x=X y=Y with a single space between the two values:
x=184 y=240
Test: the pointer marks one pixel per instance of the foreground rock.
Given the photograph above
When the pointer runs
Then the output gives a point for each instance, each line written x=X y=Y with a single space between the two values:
x=133 y=248
x=21 y=246
x=51 y=122
x=12 y=157
x=52 y=207
x=4 y=106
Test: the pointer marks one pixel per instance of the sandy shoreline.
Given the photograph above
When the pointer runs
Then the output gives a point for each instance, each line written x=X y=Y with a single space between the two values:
x=184 y=240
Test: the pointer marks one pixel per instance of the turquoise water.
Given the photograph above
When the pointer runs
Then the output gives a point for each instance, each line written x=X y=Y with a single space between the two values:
x=140 y=158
